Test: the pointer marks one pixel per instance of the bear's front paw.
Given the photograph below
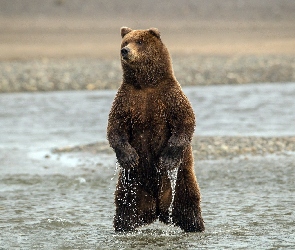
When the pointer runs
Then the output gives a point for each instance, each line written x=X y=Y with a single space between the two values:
x=170 y=158
x=169 y=163
x=128 y=158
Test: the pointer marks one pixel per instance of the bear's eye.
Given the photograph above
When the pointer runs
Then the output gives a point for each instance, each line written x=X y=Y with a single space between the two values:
x=139 y=42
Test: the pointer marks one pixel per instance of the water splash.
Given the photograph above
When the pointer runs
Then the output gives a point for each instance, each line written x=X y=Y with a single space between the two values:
x=116 y=171
x=125 y=176
x=172 y=175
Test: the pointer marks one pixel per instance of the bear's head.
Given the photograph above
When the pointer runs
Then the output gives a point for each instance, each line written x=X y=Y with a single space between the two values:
x=144 y=57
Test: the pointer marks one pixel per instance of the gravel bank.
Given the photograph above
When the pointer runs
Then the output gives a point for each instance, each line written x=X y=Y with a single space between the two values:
x=213 y=148
x=90 y=74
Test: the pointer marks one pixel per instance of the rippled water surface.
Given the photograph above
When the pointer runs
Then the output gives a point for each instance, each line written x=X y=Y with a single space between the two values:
x=52 y=201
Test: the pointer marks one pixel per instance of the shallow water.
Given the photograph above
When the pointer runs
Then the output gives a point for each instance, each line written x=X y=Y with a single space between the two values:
x=52 y=201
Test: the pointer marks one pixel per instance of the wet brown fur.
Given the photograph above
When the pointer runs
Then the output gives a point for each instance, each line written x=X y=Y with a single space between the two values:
x=150 y=128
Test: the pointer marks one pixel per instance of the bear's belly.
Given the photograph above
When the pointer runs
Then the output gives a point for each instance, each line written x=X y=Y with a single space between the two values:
x=149 y=141
x=149 y=130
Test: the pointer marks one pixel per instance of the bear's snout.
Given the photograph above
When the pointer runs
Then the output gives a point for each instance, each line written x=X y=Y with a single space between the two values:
x=124 y=52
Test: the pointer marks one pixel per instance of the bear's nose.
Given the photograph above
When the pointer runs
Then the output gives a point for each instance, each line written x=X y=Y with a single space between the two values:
x=125 y=51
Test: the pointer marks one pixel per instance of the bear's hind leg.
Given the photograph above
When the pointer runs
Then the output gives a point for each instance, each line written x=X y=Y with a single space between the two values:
x=186 y=210
x=134 y=207
x=126 y=218
x=165 y=199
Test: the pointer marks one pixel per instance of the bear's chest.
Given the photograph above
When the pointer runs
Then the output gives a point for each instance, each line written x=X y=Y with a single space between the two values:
x=147 y=108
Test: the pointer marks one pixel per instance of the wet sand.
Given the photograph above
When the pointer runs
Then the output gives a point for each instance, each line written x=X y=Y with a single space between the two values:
x=212 y=147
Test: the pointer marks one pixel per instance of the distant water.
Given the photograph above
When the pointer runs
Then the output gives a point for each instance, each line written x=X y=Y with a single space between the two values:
x=56 y=118
x=50 y=201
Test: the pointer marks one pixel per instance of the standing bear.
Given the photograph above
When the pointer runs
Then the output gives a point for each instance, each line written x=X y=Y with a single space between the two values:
x=150 y=128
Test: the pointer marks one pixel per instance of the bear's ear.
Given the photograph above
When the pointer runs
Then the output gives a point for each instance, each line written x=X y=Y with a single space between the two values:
x=155 y=32
x=125 y=31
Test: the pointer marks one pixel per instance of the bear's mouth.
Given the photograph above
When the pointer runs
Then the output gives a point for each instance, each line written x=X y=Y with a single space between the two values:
x=125 y=58
x=128 y=59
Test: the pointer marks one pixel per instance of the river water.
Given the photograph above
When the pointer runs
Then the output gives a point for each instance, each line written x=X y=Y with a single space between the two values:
x=65 y=201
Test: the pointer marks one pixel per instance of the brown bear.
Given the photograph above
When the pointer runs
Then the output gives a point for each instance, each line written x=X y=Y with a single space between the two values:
x=150 y=128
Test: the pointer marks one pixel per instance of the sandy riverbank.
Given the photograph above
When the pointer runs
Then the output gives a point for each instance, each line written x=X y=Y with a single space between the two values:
x=73 y=45
x=91 y=74
x=213 y=148
x=33 y=29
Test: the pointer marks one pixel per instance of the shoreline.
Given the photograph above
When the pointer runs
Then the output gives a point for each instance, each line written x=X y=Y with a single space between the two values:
x=97 y=74
x=211 y=147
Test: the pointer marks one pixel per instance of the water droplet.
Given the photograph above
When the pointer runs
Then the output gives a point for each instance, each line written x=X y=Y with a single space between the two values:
x=116 y=171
